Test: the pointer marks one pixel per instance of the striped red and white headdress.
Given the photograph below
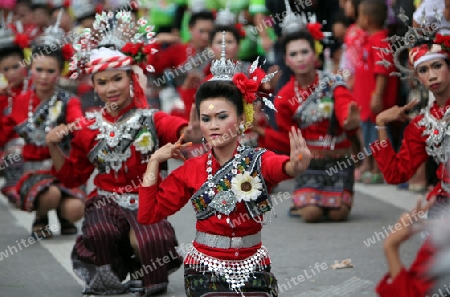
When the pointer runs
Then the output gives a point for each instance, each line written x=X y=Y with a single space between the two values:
x=425 y=53
x=106 y=46
x=116 y=42
x=104 y=58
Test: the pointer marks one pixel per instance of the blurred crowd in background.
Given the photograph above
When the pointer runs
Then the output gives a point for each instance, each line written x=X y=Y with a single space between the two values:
x=259 y=25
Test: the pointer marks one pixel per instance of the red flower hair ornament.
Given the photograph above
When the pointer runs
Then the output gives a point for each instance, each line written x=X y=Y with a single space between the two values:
x=315 y=29
x=247 y=86
x=139 y=52
x=241 y=30
x=67 y=51
x=21 y=40
x=443 y=41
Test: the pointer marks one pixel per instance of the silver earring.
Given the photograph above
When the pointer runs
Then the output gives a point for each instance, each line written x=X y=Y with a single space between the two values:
x=203 y=140
x=131 y=90
x=95 y=97
x=241 y=128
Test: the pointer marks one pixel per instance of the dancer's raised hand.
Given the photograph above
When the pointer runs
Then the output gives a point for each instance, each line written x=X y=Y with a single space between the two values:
x=396 y=113
x=56 y=134
x=170 y=150
x=300 y=154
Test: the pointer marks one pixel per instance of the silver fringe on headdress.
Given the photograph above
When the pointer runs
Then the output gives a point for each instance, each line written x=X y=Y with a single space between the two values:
x=413 y=37
x=7 y=36
x=112 y=30
x=83 y=9
x=53 y=35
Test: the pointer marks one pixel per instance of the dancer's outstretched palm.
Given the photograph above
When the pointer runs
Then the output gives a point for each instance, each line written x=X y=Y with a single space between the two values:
x=300 y=154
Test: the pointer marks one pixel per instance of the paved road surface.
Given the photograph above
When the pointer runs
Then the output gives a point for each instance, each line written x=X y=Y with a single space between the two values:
x=301 y=253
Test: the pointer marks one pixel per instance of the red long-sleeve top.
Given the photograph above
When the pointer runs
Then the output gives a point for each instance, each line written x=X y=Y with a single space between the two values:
x=412 y=282
x=4 y=104
x=287 y=104
x=19 y=114
x=367 y=70
x=169 y=196
x=170 y=57
x=77 y=168
x=400 y=167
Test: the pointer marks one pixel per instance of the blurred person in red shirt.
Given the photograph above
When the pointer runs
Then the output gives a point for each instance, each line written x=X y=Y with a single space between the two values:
x=374 y=88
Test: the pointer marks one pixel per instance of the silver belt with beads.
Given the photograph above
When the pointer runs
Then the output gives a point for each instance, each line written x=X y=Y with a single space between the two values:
x=37 y=165
x=328 y=141
x=128 y=201
x=16 y=142
x=236 y=272
x=224 y=242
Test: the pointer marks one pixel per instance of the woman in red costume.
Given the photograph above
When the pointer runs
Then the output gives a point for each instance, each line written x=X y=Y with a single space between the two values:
x=228 y=187
x=32 y=116
x=323 y=108
x=13 y=82
x=425 y=135
x=118 y=141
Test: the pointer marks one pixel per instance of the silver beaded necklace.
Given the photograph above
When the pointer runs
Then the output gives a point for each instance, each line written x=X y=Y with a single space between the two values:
x=11 y=94
x=237 y=156
x=297 y=92
x=47 y=122
x=236 y=161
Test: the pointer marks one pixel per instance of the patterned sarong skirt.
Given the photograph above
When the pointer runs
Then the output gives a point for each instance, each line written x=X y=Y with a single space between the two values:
x=327 y=183
x=103 y=256
x=36 y=179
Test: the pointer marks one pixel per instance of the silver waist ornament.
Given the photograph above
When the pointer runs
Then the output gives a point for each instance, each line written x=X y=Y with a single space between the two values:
x=236 y=272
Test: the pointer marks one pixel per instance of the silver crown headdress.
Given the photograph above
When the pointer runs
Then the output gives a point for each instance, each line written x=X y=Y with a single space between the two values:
x=59 y=3
x=117 y=4
x=292 y=22
x=7 y=35
x=198 y=6
x=225 y=70
x=53 y=34
x=110 y=30
x=413 y=37
x=225 y=17
x=83 y=8
x=40 y=2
